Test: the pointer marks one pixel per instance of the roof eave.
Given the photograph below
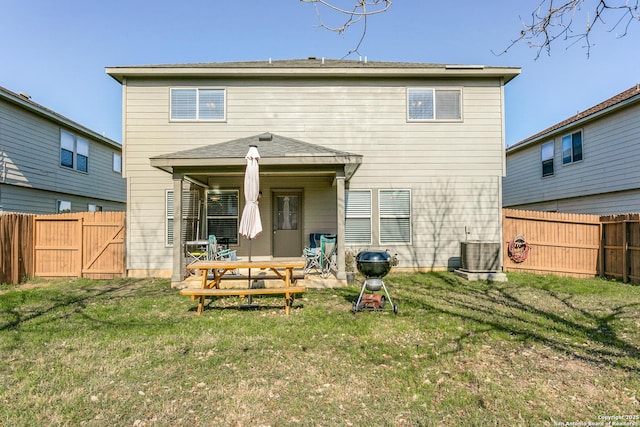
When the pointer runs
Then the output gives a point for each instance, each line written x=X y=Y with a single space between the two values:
x=163 y=162
x=506 y=73
x=350 y=162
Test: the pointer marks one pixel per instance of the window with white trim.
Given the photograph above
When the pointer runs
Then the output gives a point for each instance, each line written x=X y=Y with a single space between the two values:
x=196 y=104
x=190 y=215
x=394 y=207
x=547 y=153
x=94 y=208
x=358 y=217
x=572 y=148
x=223 y=217
x=117 y=162
x=74 y=151
x=428 y=104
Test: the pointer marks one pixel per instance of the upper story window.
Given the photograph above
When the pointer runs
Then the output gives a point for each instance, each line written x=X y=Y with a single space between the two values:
x=63 y=206
x=395 y=216
x=572 y=148
x=74 y=151
x=117 y=162
x=195 y=104
x=424 y=104
x=547 y=158
x=358 y=217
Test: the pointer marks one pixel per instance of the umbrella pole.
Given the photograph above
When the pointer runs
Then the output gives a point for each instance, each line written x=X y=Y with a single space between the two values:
x=249 y=297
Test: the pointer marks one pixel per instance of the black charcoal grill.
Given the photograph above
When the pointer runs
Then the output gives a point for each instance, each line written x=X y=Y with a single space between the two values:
x=374 y=265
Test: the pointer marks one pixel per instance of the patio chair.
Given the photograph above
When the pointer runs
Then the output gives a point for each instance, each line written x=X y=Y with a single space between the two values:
x=195 y=250
x=328 y=248
x=217 y=253
x=312 y=254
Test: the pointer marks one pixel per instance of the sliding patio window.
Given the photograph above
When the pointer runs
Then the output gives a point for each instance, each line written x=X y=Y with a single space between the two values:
x=395 y=216
x=358 y=217
x=223 y=215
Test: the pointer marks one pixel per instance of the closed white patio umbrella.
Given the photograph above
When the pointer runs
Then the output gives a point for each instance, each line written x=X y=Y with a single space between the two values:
x=250 y=222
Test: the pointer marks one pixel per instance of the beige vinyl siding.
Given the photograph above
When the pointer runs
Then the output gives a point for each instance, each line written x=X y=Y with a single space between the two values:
x=609 y=165
x=452 y=168
x=149 y=231
x=446 y=211
x=30 y=148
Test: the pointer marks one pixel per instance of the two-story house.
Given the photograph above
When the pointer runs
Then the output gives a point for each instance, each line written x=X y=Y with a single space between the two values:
x=50 y=164
x=587 y=163
x=401 y=156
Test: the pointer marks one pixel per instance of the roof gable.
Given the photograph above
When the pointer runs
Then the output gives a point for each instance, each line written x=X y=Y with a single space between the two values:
x=275 y=151
x=269 y=145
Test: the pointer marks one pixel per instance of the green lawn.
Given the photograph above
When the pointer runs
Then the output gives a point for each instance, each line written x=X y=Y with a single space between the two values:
x=536 y=350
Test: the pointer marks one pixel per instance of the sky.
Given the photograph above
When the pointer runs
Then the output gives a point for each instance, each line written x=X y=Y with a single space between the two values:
x=57 y=51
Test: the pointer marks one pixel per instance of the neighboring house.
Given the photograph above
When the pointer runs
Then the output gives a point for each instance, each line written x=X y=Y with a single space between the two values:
x=50 y=164
x=401 y=156
x=585 y=164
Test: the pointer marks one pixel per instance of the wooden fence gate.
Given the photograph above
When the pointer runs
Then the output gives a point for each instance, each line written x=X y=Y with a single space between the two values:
x=16 y=247
x=621 y=247
x=559 y=243
x=85 y=244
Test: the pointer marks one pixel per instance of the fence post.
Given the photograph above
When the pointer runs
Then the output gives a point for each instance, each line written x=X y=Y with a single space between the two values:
x=625 y=251
x=601 y=259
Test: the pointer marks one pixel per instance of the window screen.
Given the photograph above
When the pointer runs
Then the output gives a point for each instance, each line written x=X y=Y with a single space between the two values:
x=395 y=216
x=358 y=217
x=547 y=158
x=426 y=104
x=197 y=104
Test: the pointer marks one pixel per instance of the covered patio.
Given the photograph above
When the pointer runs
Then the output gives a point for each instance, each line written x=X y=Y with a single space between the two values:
x=310 y=179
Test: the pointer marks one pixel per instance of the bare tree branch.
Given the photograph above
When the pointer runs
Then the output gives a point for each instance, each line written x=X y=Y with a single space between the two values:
x=554 y=21
x=358 y=11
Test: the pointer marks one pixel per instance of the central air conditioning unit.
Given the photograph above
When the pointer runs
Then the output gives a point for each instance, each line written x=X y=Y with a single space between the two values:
x=479 y=257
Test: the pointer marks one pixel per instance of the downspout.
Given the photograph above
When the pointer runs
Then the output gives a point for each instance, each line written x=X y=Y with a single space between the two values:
x=503 y=155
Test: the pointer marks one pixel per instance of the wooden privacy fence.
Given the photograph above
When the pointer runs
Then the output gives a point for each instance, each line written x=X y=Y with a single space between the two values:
x=84 y=244
x=558 y=243
x=16 y=247
x=621 y=247
x=577 y=245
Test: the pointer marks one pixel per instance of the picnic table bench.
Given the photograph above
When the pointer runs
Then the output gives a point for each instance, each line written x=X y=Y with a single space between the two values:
x=283 y=269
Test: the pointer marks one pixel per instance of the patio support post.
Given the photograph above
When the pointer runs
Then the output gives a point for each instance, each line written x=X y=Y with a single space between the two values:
x=179 y=268
x=340 y=180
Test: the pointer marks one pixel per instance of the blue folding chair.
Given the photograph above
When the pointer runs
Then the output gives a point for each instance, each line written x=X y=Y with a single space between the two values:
x=312 y=254
x=328 y=249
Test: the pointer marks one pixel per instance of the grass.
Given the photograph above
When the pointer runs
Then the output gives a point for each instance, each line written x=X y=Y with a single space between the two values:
x=536 y=350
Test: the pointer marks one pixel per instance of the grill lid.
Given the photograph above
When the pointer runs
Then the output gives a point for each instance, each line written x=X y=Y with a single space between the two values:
x=373 y=256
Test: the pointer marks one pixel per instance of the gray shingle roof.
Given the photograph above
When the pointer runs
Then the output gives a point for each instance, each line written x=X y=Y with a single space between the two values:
x=318 y=67
x=269 y=146
x=311 y=62
x=277 y=153
x=610 y=103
